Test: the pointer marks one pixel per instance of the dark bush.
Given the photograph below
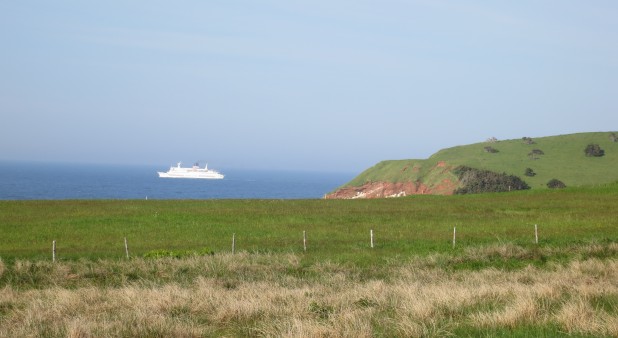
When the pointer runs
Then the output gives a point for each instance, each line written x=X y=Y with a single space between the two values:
x=534 y=154
x=594 y=150
x=529 y=172
x=555 y=184
x=613 y=137
x=528 y=140
x=489 y=149
x=475 y=181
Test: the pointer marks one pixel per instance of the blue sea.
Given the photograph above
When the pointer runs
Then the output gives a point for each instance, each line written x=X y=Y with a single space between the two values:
x=53 y=181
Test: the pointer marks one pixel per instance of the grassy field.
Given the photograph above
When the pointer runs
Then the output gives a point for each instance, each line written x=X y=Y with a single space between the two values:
x=495 y=282
x=563 y=159
x=336 y=229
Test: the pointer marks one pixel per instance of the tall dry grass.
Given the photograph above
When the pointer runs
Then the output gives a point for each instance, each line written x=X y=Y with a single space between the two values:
x=262 y=295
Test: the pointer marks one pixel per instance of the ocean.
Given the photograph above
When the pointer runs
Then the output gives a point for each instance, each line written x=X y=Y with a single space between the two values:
x=54 y=181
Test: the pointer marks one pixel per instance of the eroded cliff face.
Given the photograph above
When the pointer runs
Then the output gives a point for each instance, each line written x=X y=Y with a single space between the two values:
x=381 y=189
x=387 y=189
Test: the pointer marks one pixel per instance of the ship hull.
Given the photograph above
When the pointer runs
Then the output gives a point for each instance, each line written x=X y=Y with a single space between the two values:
x=210 y=176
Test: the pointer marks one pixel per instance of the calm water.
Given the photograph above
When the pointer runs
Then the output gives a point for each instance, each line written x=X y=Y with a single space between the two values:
x=25 y=181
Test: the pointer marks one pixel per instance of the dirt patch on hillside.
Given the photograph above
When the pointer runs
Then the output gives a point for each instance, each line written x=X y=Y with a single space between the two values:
x=382 y=189
x=387 y=190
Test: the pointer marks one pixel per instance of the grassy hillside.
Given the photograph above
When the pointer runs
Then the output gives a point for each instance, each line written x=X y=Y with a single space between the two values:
x=563 y=159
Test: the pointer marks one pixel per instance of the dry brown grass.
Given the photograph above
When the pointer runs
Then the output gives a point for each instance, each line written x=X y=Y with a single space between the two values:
x=249 y=295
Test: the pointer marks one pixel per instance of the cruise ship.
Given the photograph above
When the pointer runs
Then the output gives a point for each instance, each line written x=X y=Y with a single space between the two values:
x=193 y=172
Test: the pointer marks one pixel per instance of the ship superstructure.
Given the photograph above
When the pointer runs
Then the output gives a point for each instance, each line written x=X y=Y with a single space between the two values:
x=193 y=172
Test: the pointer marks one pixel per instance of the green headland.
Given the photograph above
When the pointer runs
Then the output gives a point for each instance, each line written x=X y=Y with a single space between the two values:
x=536 y=160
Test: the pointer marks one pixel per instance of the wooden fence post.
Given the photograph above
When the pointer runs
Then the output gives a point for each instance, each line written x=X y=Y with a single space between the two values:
x=454 y=235
x=54 y=251
x=233 y=243
x=536 y=234
x=305 y=240
x=371 y=235
x=126 y=247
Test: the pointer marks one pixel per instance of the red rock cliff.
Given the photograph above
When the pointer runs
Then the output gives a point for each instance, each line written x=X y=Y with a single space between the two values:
x=387 y=189
x=381 y=189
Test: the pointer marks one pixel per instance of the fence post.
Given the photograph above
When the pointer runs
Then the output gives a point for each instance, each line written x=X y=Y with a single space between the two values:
x=126 y=247
x=536 y=234
x=454 y=235
x=54 y=251
x=305 y=240
x=371 y=235
x=233 y=243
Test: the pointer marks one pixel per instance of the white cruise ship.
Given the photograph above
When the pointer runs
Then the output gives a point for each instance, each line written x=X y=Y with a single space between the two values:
x=193 y=172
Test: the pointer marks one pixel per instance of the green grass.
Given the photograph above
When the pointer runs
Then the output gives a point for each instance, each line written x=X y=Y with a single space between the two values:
x=496 y=282
x=336 y=229
x=563 y=159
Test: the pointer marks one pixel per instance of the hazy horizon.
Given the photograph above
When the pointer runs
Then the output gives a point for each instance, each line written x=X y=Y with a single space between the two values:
x=162 y=166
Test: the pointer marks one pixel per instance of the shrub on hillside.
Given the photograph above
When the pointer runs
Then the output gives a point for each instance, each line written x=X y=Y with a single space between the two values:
x=613 y=137
x=490 y=150
x=528 y=140
x=555 y=184
x=475 y=181
x=529 y=172
x=594 y=150
x=535 y=153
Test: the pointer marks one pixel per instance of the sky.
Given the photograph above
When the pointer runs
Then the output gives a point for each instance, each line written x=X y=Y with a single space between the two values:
x=335 y=85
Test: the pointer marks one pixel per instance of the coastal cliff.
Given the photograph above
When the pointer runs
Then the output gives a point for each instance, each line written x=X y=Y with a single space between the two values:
x=533 y=162
x=409 y=179
x=388 y=189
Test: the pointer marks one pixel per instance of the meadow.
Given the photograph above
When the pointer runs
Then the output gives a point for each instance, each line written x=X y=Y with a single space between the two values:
x=495 y=281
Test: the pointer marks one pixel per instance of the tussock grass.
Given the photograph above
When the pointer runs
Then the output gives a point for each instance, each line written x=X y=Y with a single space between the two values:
x=257 y=294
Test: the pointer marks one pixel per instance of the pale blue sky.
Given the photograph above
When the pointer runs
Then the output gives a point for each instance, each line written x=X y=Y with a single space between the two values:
x=312 y=85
